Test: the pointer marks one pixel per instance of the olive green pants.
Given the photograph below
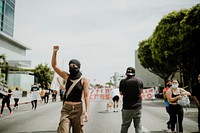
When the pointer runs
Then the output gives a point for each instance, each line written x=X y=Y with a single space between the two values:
x=71 y=116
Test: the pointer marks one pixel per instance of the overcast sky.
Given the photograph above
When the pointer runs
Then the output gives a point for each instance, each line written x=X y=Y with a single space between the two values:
x=102 y=34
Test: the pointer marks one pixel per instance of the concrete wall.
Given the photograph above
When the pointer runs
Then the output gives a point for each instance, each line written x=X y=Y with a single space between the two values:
x=23 y=81
x=149 y=79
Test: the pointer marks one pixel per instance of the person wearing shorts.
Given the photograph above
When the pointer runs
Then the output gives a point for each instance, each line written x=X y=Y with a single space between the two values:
x=115 y=98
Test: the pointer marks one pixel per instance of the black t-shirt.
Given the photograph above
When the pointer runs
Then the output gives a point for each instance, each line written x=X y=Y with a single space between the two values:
x=196 y=91
x=131 y=89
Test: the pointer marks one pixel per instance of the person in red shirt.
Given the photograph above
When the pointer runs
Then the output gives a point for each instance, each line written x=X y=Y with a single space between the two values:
x=168 y=85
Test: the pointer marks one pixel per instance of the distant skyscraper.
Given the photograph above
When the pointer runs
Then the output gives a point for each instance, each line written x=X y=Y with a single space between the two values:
x=7 y=11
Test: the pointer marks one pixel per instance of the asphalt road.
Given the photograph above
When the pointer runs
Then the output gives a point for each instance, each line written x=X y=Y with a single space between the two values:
x=46 y=117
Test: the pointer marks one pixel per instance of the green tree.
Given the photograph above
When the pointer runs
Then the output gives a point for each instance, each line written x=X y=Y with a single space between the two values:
x=160 y=68
x=3 y=66
x=190 y=41
x=43 y=73
x=165 y=38
x=175 y=41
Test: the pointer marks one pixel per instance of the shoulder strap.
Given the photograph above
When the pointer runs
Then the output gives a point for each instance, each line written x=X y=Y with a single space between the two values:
x=72 y=86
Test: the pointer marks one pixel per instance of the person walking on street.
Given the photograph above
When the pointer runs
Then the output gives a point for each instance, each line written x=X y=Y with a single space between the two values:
x=47 y=93
x=72 y=114
x=196 y=98
x=54 y=94
x=131 y=88
x=173 y=95
x=16 y=94
x=114 y=93
x=42 y=94
x=34 y=96
x=6 y=100
x=169 y=84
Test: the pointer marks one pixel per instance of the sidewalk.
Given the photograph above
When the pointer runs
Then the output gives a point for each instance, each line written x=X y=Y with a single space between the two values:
x=22 y=100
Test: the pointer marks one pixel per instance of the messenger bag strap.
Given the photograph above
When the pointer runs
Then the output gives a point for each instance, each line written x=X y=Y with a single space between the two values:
x=72 y=86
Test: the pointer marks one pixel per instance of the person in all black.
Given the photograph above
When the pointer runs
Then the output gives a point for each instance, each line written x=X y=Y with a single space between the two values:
x=6 y=100
x=61 y=94
x=47 y=93
x=131 y=88
x=72 y=114
x=196 y=98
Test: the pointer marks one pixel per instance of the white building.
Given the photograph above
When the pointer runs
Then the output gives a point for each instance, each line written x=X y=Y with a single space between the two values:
x=14 y=50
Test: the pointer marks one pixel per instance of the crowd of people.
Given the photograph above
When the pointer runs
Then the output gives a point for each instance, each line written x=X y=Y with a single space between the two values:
x=37 y=93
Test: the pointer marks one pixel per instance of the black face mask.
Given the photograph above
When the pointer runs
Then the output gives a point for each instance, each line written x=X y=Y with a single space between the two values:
x=74 y=73
x=73 y=70
x=169 y=85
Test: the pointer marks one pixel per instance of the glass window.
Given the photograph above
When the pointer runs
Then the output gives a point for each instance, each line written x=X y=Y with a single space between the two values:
x=8 y=20
x=11 y=3
x=1 y=14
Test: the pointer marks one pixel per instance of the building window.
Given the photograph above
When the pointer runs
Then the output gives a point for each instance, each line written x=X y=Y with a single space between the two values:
x=7 y=9
x=1 y=14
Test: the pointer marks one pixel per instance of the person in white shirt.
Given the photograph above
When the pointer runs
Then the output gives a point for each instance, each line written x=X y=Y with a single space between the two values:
x=16 y=95
x=34 y=94
x=114 y=93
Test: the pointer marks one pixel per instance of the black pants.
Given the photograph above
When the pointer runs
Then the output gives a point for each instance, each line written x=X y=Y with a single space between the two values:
x=7 y=102
x=34 y=104
x=46 y=98
x=174 y=111
x=16 y=102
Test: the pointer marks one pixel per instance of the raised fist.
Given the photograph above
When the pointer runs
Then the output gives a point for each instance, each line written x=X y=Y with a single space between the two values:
x=55 y=48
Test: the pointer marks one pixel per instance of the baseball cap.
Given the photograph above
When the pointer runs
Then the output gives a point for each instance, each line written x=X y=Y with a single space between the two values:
x=130 y=71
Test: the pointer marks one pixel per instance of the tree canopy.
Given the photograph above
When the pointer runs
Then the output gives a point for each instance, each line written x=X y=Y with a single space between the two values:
x=174 y=45
x=161 y=69
x=43 y=73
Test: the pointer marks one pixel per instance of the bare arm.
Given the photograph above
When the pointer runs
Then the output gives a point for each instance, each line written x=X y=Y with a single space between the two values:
x=86 y=97
x=184 y=92
x=60 y=72
x=164 y=95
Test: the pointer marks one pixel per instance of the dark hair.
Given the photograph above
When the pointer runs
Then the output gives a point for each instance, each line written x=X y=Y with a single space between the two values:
x=9 y=90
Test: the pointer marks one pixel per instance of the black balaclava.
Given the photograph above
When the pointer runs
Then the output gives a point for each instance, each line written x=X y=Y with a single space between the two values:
x=75 y=72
